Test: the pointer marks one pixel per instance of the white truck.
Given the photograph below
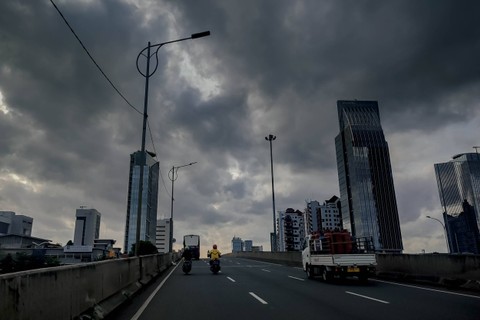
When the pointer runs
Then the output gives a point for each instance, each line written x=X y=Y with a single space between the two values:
x=339 y=254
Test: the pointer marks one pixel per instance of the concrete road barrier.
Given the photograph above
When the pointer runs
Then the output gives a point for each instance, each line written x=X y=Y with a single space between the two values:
x=67 y=292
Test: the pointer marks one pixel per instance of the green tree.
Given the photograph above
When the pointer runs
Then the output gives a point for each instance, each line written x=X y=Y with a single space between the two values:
x=7 y=264
x=23 y=261
x=145 y=247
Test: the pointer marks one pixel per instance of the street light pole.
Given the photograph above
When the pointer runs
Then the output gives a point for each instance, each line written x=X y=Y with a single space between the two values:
x=270 y=138
x=444 y=231
x=147 y=74
x=173 y=175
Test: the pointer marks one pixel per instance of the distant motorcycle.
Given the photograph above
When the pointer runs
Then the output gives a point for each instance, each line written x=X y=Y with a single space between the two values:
x=187 y=266
x=215 y=266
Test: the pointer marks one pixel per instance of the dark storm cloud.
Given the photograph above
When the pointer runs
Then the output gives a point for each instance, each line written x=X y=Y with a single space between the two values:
x=217 y=125
x=408 y=55
x=49 y=80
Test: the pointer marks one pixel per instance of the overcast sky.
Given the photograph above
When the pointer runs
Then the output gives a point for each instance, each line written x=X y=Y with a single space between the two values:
x=269 y=67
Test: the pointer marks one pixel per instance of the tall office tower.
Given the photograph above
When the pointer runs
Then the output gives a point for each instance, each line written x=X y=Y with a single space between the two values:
x=291 y=230
x=459 y=188
x=87 y=227
x=162 y=240
x=369 y=206
x=149 y=200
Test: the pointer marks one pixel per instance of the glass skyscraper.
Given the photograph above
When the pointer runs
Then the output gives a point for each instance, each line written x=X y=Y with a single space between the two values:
x=149 y=200
x=369 y=205
x=459 y=188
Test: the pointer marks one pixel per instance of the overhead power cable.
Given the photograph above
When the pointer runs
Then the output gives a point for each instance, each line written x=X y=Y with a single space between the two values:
x=111 y=83
x=93 y=60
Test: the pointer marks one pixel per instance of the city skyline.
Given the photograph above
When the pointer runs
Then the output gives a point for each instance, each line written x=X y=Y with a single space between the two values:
x=66 y=134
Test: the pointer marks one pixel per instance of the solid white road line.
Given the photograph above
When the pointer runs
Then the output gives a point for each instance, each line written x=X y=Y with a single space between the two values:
x=230 y=279
x=366 y=297
x=147 y=302
x=300 y=279
x=258 y=298
x=428 y=289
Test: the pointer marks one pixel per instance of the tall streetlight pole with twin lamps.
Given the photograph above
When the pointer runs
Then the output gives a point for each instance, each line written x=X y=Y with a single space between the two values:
x=270 y=138
x=146 y=52
x=173 y=175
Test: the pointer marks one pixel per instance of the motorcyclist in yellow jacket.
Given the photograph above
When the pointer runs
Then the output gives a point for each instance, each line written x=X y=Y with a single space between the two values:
x=214 y=254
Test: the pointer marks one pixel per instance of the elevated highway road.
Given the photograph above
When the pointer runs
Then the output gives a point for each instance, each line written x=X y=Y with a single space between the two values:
x=248 y=289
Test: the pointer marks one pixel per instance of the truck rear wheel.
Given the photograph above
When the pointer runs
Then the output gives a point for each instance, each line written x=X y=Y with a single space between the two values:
x=327 y=276
x=363 y=277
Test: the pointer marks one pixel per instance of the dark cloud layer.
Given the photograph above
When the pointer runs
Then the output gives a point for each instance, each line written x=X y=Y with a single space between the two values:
x=268 y=68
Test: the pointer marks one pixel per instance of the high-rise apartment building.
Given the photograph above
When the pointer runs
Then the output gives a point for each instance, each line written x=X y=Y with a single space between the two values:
x=237 y=244
x=248 y=245
x=148 y=216
x=87 y=227
x=312 y=217
x=291 y=230
x=162 y=240
x=323 y=217
x=367 y=193
x=459 y=188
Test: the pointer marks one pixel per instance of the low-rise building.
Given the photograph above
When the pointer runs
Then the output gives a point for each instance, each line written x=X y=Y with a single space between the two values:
x=162 y=236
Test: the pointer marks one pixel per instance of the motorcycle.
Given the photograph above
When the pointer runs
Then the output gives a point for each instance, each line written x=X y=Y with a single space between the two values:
x=187 y=266
x=215 y=266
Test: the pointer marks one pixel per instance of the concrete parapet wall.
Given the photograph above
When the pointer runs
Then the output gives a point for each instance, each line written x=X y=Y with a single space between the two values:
x=66 y=292
x=440 y=266
x=292 y=258
x=442 y=269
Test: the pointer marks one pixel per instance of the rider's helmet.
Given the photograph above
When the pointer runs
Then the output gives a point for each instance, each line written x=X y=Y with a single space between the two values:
x=214 y=246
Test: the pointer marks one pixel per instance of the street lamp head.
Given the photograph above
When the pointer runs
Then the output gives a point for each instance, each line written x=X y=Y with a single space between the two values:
x=200 y=34
x=270 y=137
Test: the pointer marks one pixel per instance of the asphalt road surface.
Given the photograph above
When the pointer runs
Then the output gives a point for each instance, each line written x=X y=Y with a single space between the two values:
x=249 y=290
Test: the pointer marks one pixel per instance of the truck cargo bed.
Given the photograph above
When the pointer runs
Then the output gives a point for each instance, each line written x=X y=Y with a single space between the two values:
x=343 y=260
